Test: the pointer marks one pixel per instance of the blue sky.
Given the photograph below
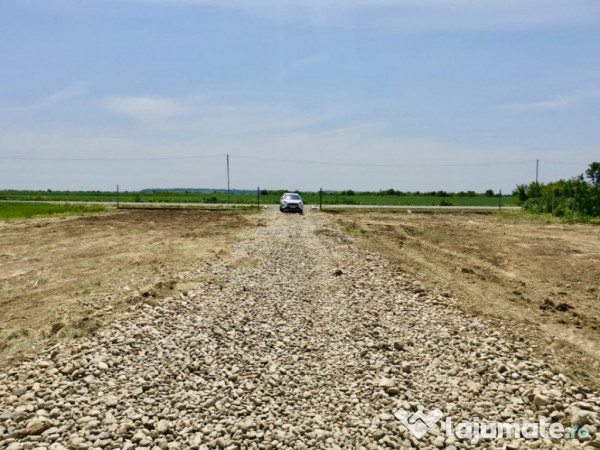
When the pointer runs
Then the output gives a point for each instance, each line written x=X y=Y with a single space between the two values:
x=409 y=94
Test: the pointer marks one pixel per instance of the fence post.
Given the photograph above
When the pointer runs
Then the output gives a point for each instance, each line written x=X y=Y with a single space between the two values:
x=500 y=201
x=228 y=190
x=320 y=199
x=117 y=196
x=258 y=197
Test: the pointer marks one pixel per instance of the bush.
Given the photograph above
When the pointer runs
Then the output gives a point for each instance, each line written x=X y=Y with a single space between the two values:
x=562 y=198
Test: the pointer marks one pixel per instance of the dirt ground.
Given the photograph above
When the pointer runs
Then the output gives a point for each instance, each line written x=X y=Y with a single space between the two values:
x=63 y=277
x=541 y=279
x=59 y=276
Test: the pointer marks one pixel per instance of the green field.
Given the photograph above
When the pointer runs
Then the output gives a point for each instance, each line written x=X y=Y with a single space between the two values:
x=270 y=198
x=10 y=211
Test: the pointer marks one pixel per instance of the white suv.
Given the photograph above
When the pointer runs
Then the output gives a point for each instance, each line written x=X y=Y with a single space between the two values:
x=291 y=202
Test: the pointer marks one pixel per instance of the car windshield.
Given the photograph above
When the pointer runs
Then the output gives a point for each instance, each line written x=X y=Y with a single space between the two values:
x=291 y=197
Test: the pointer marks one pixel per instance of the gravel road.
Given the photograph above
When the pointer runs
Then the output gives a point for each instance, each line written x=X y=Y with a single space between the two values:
x=297 y=339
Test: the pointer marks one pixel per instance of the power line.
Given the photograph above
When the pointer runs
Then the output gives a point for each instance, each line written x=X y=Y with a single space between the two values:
x=341 y=163
x=159 y=158
x=565 y=163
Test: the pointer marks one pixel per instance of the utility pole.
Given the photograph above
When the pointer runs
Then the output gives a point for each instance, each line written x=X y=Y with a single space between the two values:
x=258 y=197
x=117 y=196
x=228 y=192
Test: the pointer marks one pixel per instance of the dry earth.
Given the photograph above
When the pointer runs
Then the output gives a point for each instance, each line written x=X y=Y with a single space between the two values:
x=538 y=276
x=296 y=339
x=55 y=274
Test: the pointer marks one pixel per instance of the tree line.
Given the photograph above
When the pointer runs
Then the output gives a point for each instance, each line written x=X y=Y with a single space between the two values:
x=578 y=196
x=394 y=192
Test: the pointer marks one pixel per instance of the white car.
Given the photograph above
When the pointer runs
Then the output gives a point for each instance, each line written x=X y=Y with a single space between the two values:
x=291 y=202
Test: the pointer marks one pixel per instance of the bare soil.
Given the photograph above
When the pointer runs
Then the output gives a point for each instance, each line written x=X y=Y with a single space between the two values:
x=540 y=278
x=56 y=274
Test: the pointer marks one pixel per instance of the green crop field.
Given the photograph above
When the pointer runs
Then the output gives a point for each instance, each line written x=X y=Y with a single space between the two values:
x=9 y=210
x=271 y=197
x=405 y=200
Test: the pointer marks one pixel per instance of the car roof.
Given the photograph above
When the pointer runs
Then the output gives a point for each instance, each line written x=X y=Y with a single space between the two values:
x=290 y=193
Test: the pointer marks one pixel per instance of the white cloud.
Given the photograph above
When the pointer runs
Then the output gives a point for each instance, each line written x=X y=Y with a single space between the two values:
x=147 y=108
x=356 y=129
x=53 y=99
x=418 y=15
x=202 y=117
x=560 y=102
x=309 y=60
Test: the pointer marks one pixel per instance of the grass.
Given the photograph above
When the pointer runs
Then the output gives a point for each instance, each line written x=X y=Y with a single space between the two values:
x=355 y=230
x=11 y=211
x=271 y=198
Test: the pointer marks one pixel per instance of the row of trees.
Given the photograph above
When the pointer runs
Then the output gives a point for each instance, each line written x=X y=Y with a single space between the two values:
x=576 y=196
x=488 y=193
x=350 y=192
